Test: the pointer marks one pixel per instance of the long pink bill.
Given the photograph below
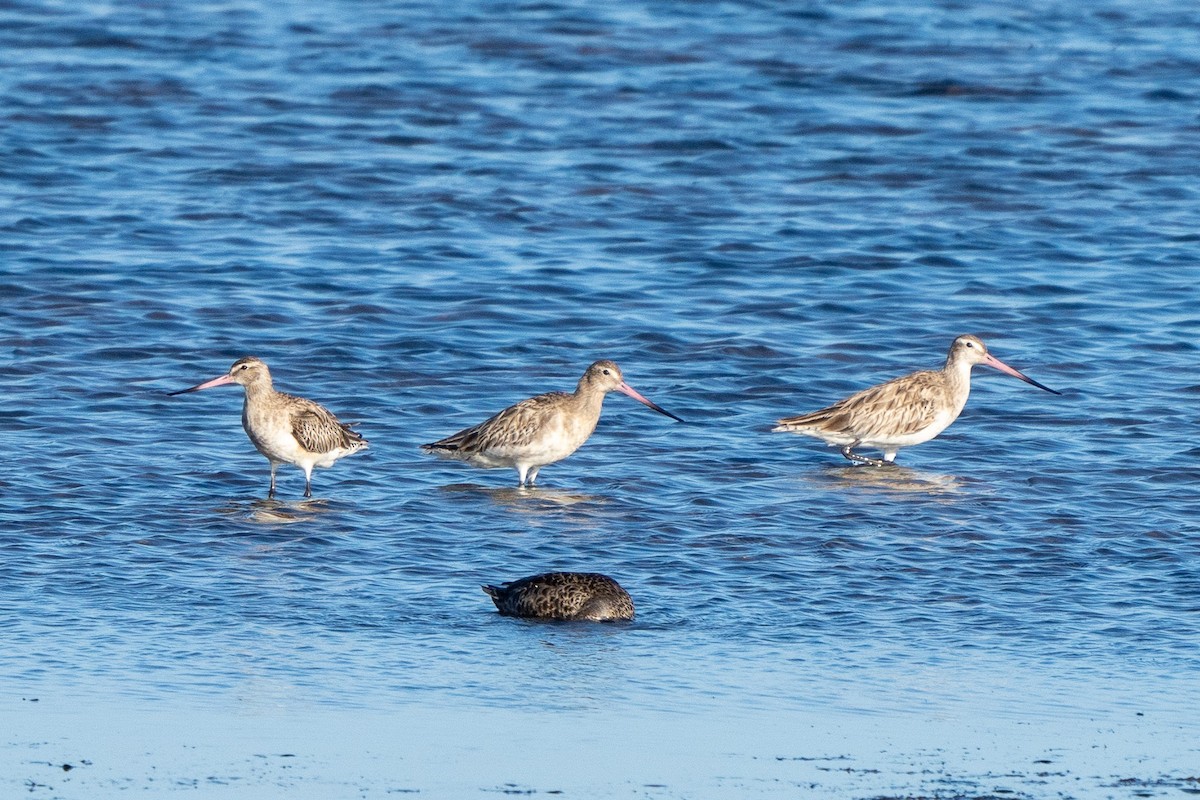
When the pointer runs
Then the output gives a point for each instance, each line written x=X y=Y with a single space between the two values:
x=221 y=381
x=996 y=363
x=625 y=388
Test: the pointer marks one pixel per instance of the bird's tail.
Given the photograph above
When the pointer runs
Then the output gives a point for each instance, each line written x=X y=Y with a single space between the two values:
x=801 y=422
x=353 y=435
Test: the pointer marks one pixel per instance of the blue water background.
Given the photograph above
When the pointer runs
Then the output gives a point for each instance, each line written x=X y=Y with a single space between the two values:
x=419 y=213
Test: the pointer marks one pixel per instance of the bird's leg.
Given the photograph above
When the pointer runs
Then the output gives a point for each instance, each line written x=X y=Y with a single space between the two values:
x=271 y=493
x=533 y=473
x=308 y=483
x=522 y=470
x=848 y=452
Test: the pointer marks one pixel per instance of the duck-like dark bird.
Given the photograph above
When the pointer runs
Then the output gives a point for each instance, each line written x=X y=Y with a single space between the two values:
x=587 y=596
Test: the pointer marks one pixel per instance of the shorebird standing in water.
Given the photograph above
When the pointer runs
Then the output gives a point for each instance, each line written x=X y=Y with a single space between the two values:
x=905 y=411
x=540 y=430
x=284 y=428
x=583 y=596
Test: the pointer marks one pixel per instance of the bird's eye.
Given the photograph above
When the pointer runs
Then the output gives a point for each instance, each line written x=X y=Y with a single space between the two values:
x=970 y=344
x=606 y=372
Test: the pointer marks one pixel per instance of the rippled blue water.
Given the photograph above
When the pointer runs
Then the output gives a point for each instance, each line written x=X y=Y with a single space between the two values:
x=419 y=213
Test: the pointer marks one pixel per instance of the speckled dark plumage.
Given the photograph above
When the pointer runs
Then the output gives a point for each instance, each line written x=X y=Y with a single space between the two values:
x=563 y=596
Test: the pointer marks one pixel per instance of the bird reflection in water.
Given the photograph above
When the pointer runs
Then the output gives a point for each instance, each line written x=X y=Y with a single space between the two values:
x=531 y=501
x=277 y=512
x=892 y=478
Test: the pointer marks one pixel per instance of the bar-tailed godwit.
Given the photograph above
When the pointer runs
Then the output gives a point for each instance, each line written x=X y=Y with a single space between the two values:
x=540 y=430
x=905 y=411
x=586 y=596
x=284 y=428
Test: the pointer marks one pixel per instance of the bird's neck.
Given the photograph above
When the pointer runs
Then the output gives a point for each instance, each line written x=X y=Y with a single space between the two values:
x=958 y=377
x=589 y=397
x=260 y=388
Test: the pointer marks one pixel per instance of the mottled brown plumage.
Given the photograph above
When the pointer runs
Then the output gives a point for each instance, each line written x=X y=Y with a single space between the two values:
x=584 y=596
x=540 y=430
x=285 y=428
x=905 y=411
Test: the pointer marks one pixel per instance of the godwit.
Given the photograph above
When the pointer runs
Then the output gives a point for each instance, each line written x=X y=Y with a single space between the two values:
x=286 y=429
x=540 y=430
x=905 y=411
x=585 y=596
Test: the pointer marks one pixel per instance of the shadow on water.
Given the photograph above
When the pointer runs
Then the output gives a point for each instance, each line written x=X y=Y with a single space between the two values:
x=532 y=501
x=890 y=478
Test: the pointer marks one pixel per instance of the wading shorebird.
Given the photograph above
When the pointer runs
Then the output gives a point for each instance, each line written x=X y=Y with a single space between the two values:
x=585 y=596
x=540 y=430
x=905 y=411
x=286 y=429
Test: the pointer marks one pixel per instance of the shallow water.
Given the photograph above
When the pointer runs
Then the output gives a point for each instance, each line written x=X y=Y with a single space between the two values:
x=418 y=215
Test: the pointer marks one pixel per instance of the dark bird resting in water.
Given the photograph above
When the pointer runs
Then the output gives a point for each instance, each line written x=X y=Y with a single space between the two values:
x=584 y=596
x=284 y=428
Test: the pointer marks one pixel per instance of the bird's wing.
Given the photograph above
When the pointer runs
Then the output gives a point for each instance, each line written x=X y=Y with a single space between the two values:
x=318 y=430
x=514 y=426
x=899 y=407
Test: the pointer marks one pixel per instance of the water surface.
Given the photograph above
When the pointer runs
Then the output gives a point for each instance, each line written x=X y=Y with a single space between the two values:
x=419 y=214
